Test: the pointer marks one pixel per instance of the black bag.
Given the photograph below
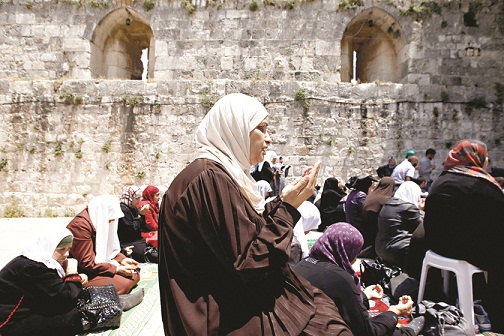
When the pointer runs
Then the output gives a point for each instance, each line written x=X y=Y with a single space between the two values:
x=441 y=319
x=377 y=273
x=403 y=285
x=100 y=307
x=151 y=254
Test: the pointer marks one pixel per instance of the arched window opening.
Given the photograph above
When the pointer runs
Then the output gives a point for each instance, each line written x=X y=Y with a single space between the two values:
x=122 y=47
x=373 y=48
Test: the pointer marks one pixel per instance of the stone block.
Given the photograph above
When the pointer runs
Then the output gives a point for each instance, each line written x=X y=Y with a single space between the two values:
x=76 y=44
x=327 y=48
x=25 y=18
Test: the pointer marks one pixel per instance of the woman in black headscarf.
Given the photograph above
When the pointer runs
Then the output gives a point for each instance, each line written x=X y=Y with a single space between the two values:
x=328 y=202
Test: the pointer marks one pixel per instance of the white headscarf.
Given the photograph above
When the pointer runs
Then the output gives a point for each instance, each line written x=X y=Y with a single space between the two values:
x=42 y=249
x=224 y=136
x=310 y=220
x=267 y=158
x=101 y=209
x=410 y=192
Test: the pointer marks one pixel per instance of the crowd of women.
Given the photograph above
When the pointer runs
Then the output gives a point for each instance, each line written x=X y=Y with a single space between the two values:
x=231 y=263
x=105 y=241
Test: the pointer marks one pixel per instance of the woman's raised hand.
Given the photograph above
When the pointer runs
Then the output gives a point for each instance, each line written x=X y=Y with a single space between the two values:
x=301 y=188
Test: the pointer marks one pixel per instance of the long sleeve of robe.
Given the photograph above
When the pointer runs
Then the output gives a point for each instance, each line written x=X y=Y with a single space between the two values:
x=223 y=267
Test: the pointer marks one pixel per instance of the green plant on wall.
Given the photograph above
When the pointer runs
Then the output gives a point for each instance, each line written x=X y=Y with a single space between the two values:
x=301 y=97
x=58 y=150
x=445 y=98
x=208 y=100
x=3 y=164
x=13 y=211
x=254 y=5
x=215 y=4
x=49 y=213
x=478 y=102
x=291 y=4
x=70 y=98
x=188 y=6
x=131 y=101
x=141 y=175
x=78 y=154
x=148 y=5
x=350 y=4
x=106 y=146
x=94 y=3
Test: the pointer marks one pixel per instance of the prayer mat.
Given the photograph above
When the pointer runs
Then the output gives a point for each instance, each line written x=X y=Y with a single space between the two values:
x=133 y=320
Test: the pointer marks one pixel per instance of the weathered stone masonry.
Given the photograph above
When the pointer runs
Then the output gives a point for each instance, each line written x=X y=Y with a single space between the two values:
x=75 y=125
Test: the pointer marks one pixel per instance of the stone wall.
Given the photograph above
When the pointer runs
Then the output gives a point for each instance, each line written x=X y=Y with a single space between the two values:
x=63 y=142
x=67 y=136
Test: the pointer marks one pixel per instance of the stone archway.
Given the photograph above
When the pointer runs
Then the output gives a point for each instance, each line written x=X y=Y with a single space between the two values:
x=118 y=43
x=374 y=41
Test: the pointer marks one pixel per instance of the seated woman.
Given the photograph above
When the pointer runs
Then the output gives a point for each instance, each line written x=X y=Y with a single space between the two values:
x=129 y=228
x=310 y=220
x=355 y=200
x=329 y=267
x=150 y=205
x=398 y=219
x=464 y=208
x=328 y=203
x=39 y=289
x=370 y=210
x=96 y=245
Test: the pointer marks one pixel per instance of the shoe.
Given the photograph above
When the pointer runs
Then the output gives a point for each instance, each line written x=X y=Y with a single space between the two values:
x=416 y=325
x=131 y=300
x=481 y=318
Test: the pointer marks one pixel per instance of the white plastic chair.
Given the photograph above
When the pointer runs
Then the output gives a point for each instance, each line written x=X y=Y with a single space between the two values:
x=464 y=272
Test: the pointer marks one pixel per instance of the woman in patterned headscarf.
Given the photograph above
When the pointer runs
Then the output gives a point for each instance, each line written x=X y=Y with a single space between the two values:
x=130 y=226
x=464 y=215
x=329 y=267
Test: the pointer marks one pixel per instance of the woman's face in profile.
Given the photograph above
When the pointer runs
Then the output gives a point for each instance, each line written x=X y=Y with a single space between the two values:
x=259 y=142
x=61 y=254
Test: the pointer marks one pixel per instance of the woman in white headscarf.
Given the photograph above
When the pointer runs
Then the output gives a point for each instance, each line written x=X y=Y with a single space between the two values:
x=223 y=252
x=96 y=245
x=310 y=220
x=39 y=289
x=398 y=219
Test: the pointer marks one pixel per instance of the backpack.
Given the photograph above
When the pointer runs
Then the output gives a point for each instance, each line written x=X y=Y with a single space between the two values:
x=441 y=319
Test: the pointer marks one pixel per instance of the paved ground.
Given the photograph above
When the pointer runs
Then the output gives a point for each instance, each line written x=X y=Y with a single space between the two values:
x=15 y=232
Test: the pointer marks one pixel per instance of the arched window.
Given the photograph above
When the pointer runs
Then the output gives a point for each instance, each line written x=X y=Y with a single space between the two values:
x=122 y=47
x=373 y=48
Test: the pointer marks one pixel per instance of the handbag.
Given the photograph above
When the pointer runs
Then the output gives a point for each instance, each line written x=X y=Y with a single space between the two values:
x=377 y=273
x=100 y=307
x=441 y=319
x=151 y=254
